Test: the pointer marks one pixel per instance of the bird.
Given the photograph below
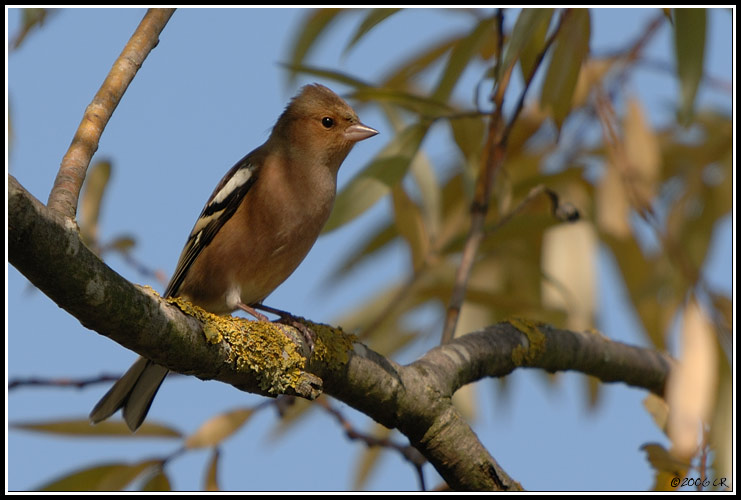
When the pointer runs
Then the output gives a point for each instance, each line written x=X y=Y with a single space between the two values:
x=257 y=226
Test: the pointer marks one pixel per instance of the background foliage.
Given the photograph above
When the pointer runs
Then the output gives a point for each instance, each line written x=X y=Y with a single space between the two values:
x=651 y=193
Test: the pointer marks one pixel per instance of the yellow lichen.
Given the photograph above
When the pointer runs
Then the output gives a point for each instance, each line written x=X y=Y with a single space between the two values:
x=536 y=341
x=263 y=348
x=257 y=346
x=332 y=346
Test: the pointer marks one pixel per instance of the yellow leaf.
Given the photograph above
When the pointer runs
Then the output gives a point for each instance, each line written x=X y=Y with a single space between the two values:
x=613 y=206
x=721 y=428
x=92 y=196
x=642 y=154
x=108 y=477
x=692 y=383
x=568 y=261
x=658 y=409
x=667 y=467
x=217 y=429
x=591 y=74
x=212 y=480
x=108 y=428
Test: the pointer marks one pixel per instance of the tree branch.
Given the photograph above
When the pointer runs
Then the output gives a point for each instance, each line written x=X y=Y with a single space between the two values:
x=66 y=191
x=46 y=248
x=416 y=399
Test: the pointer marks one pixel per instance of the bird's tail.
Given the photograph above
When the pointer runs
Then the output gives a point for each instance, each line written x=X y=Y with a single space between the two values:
x=133 y=392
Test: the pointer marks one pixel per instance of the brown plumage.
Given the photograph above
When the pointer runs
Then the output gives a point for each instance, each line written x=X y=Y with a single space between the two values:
x=256 y=228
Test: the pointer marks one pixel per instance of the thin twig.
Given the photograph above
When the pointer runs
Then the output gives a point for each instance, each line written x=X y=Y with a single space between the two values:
x=496 y=148
x=59 y=382
x=531 y=77
x=65 y=194
x=408 y=452
x=480 y=206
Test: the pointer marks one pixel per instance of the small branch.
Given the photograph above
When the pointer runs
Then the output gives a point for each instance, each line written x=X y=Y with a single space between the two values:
x=498 y=350
x=66 y=191
x=60 y=382
x=495 y=152
x=564 y=212
x=531 y=77
x=46 y=248
x=416 y=399
x=408 y=452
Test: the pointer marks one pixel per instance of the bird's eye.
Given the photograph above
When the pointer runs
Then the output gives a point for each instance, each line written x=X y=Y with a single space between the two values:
x=327 y=122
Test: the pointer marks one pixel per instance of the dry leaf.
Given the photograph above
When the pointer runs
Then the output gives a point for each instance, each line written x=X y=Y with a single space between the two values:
x=692 y=384
x=568 y=261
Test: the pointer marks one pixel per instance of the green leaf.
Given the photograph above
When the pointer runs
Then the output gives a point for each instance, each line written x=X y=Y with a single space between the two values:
x=388 y=168
x=529 y=32
x=569 y=52
x=689 y=43
x=425 y=106
x=157 y=482
x=406 y=70
x=534 y=46
x=372 y=19
x=108 y=428
x=463 y=51
x=314 y=26
x=109 y=477
x=335 y=76
x=32 y=19
x=468 y=134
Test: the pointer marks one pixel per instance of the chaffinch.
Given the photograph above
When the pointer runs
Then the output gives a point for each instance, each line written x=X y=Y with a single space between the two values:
x=256 y=228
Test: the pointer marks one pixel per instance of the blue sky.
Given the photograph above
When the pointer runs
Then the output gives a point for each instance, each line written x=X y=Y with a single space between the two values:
x=207 y=95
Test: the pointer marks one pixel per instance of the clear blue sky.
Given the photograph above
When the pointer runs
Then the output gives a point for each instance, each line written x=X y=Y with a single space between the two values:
x=207 y=95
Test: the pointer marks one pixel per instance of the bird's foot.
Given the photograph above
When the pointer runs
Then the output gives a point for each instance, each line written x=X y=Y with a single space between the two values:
x=289 y=319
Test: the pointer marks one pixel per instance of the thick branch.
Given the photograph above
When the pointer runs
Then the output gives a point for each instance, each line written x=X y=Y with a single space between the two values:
x=66 y=191
x=498 y=350
x=416 y=398
x=46 y=248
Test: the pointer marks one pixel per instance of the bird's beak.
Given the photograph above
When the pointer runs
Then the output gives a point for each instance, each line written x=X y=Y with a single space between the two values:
x=358 y=132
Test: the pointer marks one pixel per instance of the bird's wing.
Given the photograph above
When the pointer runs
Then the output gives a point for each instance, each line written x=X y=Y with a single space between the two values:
x=219 y=208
